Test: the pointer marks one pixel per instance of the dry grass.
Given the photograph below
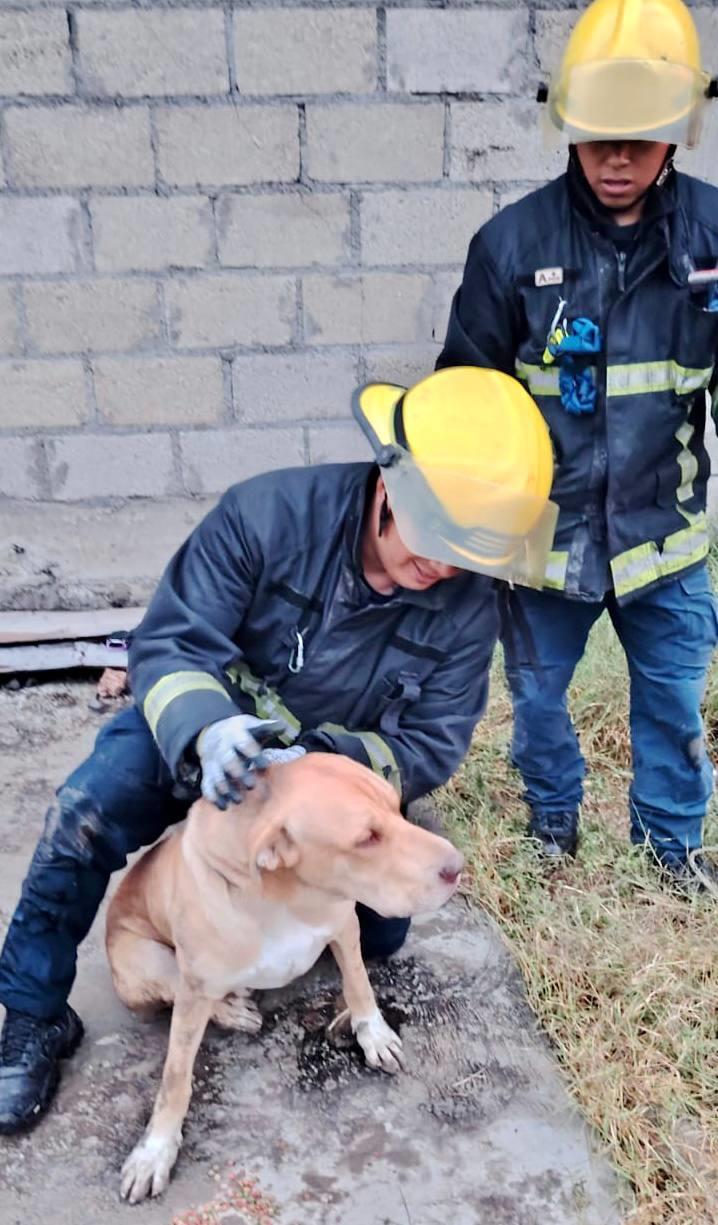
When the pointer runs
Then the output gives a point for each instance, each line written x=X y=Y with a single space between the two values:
x=621 y=973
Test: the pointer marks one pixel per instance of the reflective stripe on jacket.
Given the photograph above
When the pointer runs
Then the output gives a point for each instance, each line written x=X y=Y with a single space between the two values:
x=397 y=682
x=631 y=476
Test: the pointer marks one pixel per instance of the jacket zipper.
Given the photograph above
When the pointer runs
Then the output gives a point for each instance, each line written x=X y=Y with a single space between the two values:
x=621 y=260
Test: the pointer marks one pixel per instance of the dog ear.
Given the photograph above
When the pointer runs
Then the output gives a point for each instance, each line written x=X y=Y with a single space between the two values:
x=270 y=847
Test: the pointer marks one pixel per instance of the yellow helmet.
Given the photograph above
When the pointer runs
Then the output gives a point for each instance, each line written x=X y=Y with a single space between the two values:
x=467 y=463
x=631 y=71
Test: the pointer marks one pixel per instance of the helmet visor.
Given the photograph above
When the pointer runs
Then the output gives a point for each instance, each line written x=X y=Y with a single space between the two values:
x=502 y=533
x=629 y=99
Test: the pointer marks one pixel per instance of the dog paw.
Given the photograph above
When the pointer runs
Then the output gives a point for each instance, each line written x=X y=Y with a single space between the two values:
x=148 y=1167
x=381 y=1046
x=238 y=1012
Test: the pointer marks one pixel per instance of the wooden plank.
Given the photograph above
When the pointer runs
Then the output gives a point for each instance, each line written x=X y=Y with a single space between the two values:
x=18 y=627
x=59 y=655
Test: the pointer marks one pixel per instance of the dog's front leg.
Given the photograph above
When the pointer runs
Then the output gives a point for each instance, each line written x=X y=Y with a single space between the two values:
x=148 y=1167
x=381 y=1046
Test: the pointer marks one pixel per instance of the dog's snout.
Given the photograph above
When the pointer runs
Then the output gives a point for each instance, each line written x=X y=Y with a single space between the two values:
x=452 y=869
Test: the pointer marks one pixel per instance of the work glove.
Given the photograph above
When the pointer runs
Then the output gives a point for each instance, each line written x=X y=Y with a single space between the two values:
x=278 y=757
x=230 y=753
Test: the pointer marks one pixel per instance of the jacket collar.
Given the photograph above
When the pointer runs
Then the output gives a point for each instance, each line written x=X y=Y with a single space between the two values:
x=664 y=226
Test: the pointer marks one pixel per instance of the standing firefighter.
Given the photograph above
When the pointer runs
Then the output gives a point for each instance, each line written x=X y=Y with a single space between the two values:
x=326 y=609
x=597 y=292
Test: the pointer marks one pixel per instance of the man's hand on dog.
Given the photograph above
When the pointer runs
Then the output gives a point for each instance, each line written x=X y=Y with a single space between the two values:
x=230 y=753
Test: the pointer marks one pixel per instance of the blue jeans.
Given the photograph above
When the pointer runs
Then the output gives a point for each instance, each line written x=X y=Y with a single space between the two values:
x=122 y=798
x=668 y=635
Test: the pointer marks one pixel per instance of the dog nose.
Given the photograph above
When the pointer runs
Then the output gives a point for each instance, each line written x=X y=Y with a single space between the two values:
x=451 y=870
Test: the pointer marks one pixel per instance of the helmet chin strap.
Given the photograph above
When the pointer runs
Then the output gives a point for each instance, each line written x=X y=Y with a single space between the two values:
x=666 y=168
x=384 y=515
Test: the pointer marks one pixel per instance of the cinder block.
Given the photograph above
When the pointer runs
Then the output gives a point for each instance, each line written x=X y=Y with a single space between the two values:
x=110 y=466
x=80 y=147
x=9 y=338
x=510 y=195
x=287 y=230
x=552 y=31
x=159 y=390
x=271 y=387
x=212 y=460
x=20 y=472
x=231 y=309
x=444 y=286
x=87 y=316
x=40 y=236
x=355 y=142
x=109 y=553
x=306 y=51
x=501 y=140
x=433 y=226
x=38 y=394
x=706 y=19
x=229 y=144
x=337 y=443
x=702 y=162
x=149 y=232
x=35 y=53
x=142 y=52
x=374 y=308
x=444 y=50
x=401 y=364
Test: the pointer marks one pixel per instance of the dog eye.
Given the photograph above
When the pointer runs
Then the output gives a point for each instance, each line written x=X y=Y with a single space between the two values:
x=371 y=839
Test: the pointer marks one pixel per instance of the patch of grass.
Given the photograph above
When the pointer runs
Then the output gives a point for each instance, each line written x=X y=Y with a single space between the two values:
x=622 y=974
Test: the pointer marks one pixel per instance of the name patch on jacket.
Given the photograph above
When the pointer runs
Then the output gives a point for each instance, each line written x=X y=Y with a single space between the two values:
x=548 y=276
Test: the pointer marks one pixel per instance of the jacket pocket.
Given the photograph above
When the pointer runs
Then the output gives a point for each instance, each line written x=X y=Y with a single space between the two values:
x=696 y=582
x=695 y=341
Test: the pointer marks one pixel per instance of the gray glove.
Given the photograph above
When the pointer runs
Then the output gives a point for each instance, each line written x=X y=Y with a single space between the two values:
x=278 y=757
x=230 y=753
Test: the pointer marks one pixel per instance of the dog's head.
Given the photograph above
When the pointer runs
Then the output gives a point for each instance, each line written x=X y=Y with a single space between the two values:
x=338 y=827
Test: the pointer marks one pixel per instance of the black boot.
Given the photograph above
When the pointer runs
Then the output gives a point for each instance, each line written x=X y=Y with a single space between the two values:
x=689 y=878
x=30 y=1052
x=556 y=831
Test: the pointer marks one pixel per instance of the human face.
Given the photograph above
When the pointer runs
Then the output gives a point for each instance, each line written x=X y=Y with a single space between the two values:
x=387 y=561
x=620 y=172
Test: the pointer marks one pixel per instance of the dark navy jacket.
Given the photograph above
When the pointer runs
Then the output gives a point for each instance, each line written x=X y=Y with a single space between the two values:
x=398 y=683
x=631 y=476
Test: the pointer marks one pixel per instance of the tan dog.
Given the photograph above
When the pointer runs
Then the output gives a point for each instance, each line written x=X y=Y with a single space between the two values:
x=249 y=898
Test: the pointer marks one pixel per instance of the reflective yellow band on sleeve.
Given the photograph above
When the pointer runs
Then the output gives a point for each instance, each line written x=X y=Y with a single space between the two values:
x=555 y=575
x=176 y=685
x=267 y=702
x=539 y=381
x=382 y=760
x=645 y=564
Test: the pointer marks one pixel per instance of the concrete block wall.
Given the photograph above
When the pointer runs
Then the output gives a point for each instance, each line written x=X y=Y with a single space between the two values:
x=216 y=218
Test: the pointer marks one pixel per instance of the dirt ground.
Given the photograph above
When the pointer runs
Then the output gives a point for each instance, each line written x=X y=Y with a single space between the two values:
x=289 y=1126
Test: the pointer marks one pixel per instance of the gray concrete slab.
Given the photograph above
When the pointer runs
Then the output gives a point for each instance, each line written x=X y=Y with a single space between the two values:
x=478 y=1129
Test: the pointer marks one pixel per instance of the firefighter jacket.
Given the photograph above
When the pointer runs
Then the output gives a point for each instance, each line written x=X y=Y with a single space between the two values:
x=631 y=465
x=264 y=610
